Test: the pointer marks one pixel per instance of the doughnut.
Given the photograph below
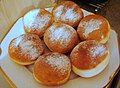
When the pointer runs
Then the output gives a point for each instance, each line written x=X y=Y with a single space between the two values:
x=68 y=12
x=89 y=58
x=60 y=37
x=25 y=49
x=37 y=21
x=94 y=27
x=52 y=69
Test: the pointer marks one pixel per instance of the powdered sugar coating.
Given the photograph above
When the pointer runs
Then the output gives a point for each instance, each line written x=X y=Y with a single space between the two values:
x=29 y=45
x=40 y=22
x=28 y=48
x=98 y=50
x=88 y=54
x=93 y=48
x=59 y=62
x=68 y=12
x=71 y=15
x=30 y=17
x=90 y=26
x=61 y=34
x=34 y=20
x=58 y=12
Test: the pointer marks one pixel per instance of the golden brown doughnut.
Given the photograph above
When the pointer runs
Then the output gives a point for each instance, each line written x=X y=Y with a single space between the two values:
x=94 y=27
x=60 y=37
x=89 y=58
x=52 y=69
x=68 y=12
x=37 y=21
x=25 y=49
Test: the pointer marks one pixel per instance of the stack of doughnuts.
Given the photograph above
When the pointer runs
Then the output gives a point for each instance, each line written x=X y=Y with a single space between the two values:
x=62 y=40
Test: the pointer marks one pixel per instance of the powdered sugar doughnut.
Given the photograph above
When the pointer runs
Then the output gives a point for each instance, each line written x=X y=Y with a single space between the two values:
x=52 y=69
x=68 y=12
x=25 y=49
x=89 y=58
x=37 y=21
x=60 y=37
x=94 y=27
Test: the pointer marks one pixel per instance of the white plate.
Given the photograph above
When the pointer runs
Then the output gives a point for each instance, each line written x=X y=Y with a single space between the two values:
x=22 y=77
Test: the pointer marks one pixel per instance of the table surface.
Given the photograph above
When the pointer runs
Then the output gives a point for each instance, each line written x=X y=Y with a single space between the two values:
x=3 y=82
